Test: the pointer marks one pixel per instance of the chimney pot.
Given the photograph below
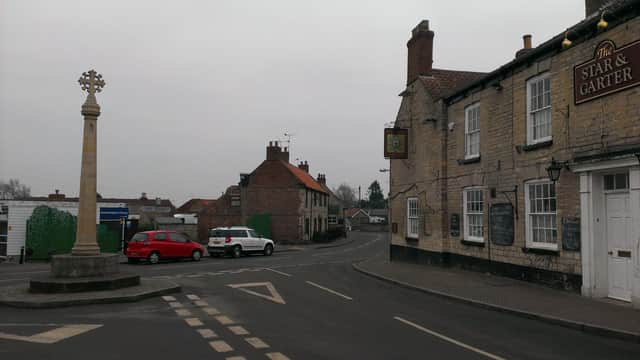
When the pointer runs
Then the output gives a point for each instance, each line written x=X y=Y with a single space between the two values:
x=273 y=152
x=527 y=41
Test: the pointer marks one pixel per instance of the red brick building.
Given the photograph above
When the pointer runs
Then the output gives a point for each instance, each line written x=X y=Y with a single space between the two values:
x=296 y=202
x=284 y=198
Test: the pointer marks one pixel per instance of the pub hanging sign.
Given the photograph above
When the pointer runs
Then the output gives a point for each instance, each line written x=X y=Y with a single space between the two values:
x=611 y=70
x=396 y=143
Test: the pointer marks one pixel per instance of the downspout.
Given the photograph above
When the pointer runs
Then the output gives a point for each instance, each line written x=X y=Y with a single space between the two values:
x=311 y=218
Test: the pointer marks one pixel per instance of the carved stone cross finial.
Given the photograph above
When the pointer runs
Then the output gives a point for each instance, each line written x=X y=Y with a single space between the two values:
x=91 y=82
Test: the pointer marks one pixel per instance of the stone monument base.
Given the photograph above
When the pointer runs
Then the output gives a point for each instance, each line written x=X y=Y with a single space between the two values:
x=70 y=266
x=47 y=284
x=73 y=273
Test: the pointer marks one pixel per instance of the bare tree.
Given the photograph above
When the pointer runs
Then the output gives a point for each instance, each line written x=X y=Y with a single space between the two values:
x=346 y=194
x=14 y=190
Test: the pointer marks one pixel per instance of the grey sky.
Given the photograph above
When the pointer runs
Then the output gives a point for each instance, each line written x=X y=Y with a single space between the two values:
x=196 y=89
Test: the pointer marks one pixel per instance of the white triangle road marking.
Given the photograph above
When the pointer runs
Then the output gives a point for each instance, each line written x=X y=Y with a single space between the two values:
x=275 y=296
x=54 y=335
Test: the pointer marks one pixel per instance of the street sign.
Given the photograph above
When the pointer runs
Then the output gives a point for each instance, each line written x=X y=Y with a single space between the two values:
x=114 y=213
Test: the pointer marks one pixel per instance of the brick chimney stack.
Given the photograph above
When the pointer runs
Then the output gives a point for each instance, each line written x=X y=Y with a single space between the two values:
x=57 y=196
x=275 y=152
x=304 y=166
x=526 y=45
x=322 y=179
x=420 y=52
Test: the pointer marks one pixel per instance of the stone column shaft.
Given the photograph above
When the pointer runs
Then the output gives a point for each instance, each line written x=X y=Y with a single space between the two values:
x=86 y=241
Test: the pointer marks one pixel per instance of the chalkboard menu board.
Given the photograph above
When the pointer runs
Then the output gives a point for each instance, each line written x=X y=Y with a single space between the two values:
x=571 y=234
x=455 y=225
x=501 y=224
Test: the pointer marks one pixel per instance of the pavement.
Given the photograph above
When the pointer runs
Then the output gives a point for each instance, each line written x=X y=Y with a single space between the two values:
x=291 y=305
x=605 y=317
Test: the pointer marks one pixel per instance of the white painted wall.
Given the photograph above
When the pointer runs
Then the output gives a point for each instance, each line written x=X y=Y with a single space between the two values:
x=20 y=211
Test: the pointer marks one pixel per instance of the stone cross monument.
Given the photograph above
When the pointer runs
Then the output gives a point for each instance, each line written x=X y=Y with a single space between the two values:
x=86 y=242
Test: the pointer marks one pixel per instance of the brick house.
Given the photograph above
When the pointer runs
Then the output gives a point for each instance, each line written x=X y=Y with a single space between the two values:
x=296 y=202
x=223 y=211
x=476 y=189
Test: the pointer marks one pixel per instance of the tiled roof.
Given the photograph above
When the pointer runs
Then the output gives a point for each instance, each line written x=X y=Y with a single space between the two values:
x=306 y=179
x=195 y=204
x=443 y=83
x=353 y=211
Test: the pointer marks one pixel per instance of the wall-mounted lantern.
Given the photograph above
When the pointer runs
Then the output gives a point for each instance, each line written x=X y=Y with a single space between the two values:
x=554 y=169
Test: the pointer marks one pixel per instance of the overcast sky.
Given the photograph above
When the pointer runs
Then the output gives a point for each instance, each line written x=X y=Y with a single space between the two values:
x=196 y=89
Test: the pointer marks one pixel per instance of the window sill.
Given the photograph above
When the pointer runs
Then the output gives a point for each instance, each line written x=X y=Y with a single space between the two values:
x=540 y=251
x=411 y=239
x=472 y=160
x=472 y=243
x=538 y=145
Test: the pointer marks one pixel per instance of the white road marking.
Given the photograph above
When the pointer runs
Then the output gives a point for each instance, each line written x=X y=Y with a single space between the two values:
x=257 y=343
x=193 y=297
x=52 y=336
x=224 y=320
x=236 y=358
x=207 y=333
x=329 y=290
x=278 y=272
x=277 y=356
x=238 y=330
x=193 y=322
x=168 y=298
x=211 y=311
x=201 y=303
x=175 y=304
x=220 y=346
x=275 y=296
x=183 y=312
x=446 y=338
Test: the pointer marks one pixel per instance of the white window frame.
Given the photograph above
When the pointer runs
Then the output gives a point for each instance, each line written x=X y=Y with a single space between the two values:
x=528 y=225
x=333 y=219
x=466 y=213
x=469 y=132
x=413 y=220
x=545 y=107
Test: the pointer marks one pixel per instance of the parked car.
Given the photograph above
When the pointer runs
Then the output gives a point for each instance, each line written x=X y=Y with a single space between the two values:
x=238 y=240
x=162 y=244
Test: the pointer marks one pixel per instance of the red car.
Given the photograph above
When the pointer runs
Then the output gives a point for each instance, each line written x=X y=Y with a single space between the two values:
x=162 y=244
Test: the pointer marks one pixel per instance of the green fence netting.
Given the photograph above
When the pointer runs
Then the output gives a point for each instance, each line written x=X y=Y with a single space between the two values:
x=261 y=223
x=51 y=231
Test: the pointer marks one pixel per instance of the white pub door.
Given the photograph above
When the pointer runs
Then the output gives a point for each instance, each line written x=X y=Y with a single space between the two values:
x=619 y=226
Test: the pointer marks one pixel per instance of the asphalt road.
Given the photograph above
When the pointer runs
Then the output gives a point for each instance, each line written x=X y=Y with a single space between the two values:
x=295 y=305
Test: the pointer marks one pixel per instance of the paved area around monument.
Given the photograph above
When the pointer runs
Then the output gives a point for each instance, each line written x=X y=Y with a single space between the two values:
x=308 y=304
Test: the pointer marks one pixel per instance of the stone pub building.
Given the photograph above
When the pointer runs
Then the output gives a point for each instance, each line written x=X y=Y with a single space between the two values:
x=532 y=170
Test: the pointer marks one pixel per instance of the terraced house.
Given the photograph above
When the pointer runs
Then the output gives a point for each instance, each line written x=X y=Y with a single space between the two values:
x=531 y=170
